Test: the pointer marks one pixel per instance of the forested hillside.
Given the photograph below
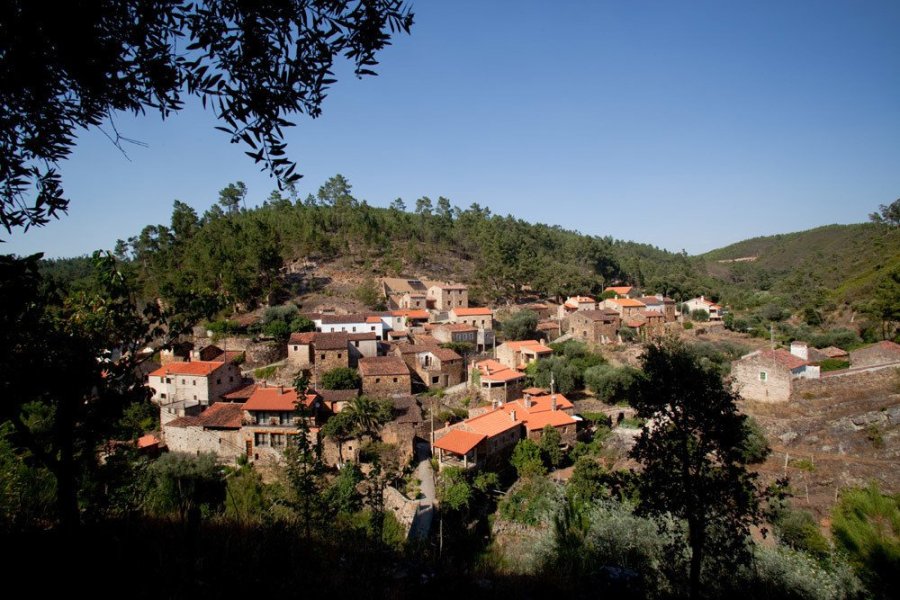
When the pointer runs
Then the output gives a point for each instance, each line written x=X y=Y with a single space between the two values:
x=241 y=255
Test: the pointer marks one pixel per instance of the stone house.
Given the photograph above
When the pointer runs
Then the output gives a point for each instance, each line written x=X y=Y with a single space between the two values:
x=479 y=318
x=623 y=291
x=518 y=355
x=549 y=330
x=321 y=352
x=413 y=301
x=653 y=324
x=270 y=419
x=193 y=383
x=489 y=437
x=769 y=375
x=626 y=307
x=574 y=304
x=880 y=353
x=438 y=367
x=542 y=310
x=385 y=376
x=595 y=326
x=447 y=296
x=216 y=430
x=409 y=320
x=497 y=382
x=455 y=333
x=334 y=401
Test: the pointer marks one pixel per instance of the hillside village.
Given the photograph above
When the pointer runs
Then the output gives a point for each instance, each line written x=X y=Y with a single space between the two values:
x=453 y=387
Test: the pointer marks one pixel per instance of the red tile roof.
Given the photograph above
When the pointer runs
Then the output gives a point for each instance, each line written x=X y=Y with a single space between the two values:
x=783 y=358
x=305 y=338
x=621 y=290
x=628 y=302
x=492 y=423
x=472 y=312
x=411 y=314
x=241 y=394
x=833 y=352
x=459 y=441
x=443 y=354
x=199 y=368
x=147 y=441
x=221 y=415
x=530 y=345
x=382 y=366
x=276 y=398
x=491 y=370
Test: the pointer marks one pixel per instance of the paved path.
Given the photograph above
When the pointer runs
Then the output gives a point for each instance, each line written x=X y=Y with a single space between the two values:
x=421 y=524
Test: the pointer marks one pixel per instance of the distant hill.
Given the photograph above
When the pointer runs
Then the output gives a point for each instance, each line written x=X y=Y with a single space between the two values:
x=844 y=262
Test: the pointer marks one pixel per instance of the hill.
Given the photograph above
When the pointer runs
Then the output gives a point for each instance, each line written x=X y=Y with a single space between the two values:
x=839 y=264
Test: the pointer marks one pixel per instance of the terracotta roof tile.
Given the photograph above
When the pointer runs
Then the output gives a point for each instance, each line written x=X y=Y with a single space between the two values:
x=306 y=338
x=530 y=345
x=460 y=442
x=627 y=302
x=472 y=312
x=200 y=368
x=457 y=327
x=276 y=398
x=491 y=370
x=622 y=290
x=221 y=415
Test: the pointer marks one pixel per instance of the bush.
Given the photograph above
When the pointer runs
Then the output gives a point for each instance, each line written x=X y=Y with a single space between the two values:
x=841 y=338
x=687 y=325
x=699 y=314
x=786 y=573
x=627 y=334
x=833 y=364
x=610 y=383
x=520 y=326
x=224 y=326
x=799 y=530
x=866 y=527
x=531 y=501
x=526 y=458
x=341 y=378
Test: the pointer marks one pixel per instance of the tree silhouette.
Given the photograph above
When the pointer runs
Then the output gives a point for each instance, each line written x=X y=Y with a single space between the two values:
x=693 y=457
x=254 y=64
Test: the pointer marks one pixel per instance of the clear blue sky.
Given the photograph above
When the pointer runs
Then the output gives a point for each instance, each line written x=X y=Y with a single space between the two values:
x=688 y=125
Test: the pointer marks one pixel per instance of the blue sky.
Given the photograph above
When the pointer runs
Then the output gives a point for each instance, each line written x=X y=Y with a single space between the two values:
x=686 y=125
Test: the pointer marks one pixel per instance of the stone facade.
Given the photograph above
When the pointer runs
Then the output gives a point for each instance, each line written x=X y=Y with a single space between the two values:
x=192 y=439
x=448 y=296
x=438 y=367
x=595 y=326
x=455 y=333
x=385 y=376
x=201 y=382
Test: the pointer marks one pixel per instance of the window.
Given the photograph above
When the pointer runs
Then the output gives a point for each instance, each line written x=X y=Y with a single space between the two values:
x=339 y=355
x=195 y=396
x=261 y=439
x=435 y=379
x=323 y=357
x=162 y=396
x=378 y=380
x=230 y=378
x=356 y=344
x=332 y=329
x=354 y=329
x=395 y=380
x=763 y=376
x=296 y=348
x=182 y=382
x=218 y=381
x=168 y=380
x=195 y=382
x=373 y=328
x=278 y=440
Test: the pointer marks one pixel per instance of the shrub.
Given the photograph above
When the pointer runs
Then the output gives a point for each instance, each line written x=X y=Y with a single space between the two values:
x=526 y=458
x=611 y=384
x=340 y=378
x=531 y=501
x=699 y=314
x=520 y=326
x=866 y=526
x=833 y=364
x=687 y=325
x=799 y=530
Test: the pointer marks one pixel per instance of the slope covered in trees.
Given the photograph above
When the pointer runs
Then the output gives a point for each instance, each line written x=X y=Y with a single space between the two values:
x=238 y=255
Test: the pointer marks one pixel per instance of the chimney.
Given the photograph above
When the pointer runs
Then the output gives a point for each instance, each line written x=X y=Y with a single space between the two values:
x=553 y=402
x=512 y=415
x=800 y=350
x=495 y=404
x=280 y=389
x=527 y=400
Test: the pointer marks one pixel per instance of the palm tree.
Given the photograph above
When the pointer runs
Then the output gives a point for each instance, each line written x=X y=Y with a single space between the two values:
x=364 y=413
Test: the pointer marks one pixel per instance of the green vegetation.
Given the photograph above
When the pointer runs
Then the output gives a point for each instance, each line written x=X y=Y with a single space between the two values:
x=341 y=378
x=866 y=526
x=520 y=326
x=833 y=364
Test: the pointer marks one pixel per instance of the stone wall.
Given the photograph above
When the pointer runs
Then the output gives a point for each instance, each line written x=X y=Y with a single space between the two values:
x=385 y=386
x=264 y=353
x=226 y=444
x=402 y=507
x=403 y=436
x=747 y=382
x=853 y=380
x=876 y=354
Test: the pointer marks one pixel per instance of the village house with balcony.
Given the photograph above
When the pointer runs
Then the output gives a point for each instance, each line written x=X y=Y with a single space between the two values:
x=518 y=355
x=271 y=418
